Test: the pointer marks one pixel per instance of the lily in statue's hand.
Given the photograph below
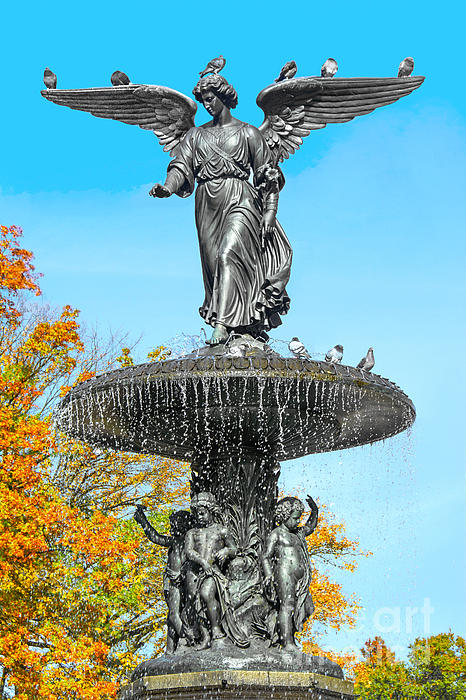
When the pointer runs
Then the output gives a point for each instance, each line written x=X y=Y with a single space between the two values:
x=159 y=190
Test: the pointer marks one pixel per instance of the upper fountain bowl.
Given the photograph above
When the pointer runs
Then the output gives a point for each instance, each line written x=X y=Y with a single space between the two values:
x=219 y=403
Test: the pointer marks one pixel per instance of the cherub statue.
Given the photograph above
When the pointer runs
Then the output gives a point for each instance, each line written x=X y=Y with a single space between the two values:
x=245 y=254
x=208 y=548
x=287 y=568
x=180 y=523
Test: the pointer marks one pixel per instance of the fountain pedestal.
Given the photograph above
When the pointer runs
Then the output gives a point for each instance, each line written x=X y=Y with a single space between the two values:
x=234 y=417
x=244 y=685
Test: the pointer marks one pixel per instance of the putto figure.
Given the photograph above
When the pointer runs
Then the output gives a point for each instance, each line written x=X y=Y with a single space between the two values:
x=245 y=255
x=208 y=548
x=180 y=522
x=287 y=568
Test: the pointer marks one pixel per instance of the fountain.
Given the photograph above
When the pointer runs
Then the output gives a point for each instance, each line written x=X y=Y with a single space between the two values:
x=238 y=572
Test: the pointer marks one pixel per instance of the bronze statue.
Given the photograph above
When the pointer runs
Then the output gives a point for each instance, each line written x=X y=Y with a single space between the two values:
x=208 y=548
x=245 y=255
x=287 y=568
x=173 y=584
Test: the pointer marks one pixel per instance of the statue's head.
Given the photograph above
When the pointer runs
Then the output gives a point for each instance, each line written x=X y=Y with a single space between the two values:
x=180 y=522
x=289 y=511
x=205 y=508
x=214 y=92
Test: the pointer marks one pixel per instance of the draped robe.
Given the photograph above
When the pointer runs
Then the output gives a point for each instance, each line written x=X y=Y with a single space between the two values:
x=245 y=281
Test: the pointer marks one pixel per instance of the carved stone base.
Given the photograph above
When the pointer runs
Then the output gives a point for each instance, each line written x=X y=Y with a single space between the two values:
x=225 y=656
x=242 y=685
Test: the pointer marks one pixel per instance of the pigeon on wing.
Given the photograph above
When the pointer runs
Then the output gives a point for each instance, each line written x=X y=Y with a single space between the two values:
x=368 y=361
x=406 y=67
x=298 y=349
x=119 y=78
x=335 y=355
x=329 y=68
x=214 y=66
x=50 y=79
x=288 y=71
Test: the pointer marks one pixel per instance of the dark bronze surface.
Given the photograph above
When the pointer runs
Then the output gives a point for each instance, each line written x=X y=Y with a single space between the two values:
x=245 y=254
x=217 y=405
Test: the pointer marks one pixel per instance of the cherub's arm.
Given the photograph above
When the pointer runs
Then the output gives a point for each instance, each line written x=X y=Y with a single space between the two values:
x=268 y=554
x=149 y=531
x=192 y=555
x=311 y=523
x=229 y=550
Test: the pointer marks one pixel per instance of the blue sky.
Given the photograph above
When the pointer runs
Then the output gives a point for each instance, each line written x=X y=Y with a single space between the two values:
x=374 y=209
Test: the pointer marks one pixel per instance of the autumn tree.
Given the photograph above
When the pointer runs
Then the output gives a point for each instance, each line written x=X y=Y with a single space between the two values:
x=76 y=606
x=436 y=668
x=329 y=547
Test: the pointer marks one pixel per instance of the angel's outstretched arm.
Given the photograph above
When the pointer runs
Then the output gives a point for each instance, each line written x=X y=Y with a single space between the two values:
x=173 y=183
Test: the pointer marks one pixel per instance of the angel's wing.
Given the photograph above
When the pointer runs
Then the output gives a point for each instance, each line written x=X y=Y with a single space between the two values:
x=293 y=108
x=166 y=112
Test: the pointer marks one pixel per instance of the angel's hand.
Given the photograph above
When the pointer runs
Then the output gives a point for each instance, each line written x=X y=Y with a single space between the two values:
x=159 y=190
x=267 y=225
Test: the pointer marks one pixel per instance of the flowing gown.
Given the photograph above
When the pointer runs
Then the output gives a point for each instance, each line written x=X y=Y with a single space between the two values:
x=245 y=283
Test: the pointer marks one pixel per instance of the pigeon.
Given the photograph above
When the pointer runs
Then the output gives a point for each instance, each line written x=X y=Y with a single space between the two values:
x=288 y=71
x=329 y=68
x=119 y=78
x=406 y=67
x=50 y=79
x=335 y=355
x=214 y=66
x=368 y=361
x=298 y=349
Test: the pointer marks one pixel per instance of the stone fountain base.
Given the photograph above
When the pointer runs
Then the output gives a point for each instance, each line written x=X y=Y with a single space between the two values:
x=225 y=656
x=244 y=685
x=225 y=671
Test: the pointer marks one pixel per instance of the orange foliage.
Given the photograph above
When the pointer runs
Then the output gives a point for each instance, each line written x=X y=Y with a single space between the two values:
x=75 y=603
x=328 y=546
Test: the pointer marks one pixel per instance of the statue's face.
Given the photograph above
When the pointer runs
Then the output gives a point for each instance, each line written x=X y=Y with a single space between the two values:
x=211 y=102
x=292 y=523
x=203 y=516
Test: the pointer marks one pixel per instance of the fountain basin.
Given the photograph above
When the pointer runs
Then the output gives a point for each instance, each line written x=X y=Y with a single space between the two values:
x=211 y=404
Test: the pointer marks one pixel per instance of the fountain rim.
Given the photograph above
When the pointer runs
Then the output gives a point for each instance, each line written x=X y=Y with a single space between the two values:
x=278 y=368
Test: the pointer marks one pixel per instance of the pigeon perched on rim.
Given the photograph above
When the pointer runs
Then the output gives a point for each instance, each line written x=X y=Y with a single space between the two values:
x=406 y=67
x=288 y=71
x=297 y=348
x=214 y=66
x=335 y=355
x=119 y=78
x=368 y=361
x=50 y=79
x=329 y=68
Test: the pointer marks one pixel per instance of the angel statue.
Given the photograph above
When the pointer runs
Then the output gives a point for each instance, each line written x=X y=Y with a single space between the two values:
x=245 y=254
